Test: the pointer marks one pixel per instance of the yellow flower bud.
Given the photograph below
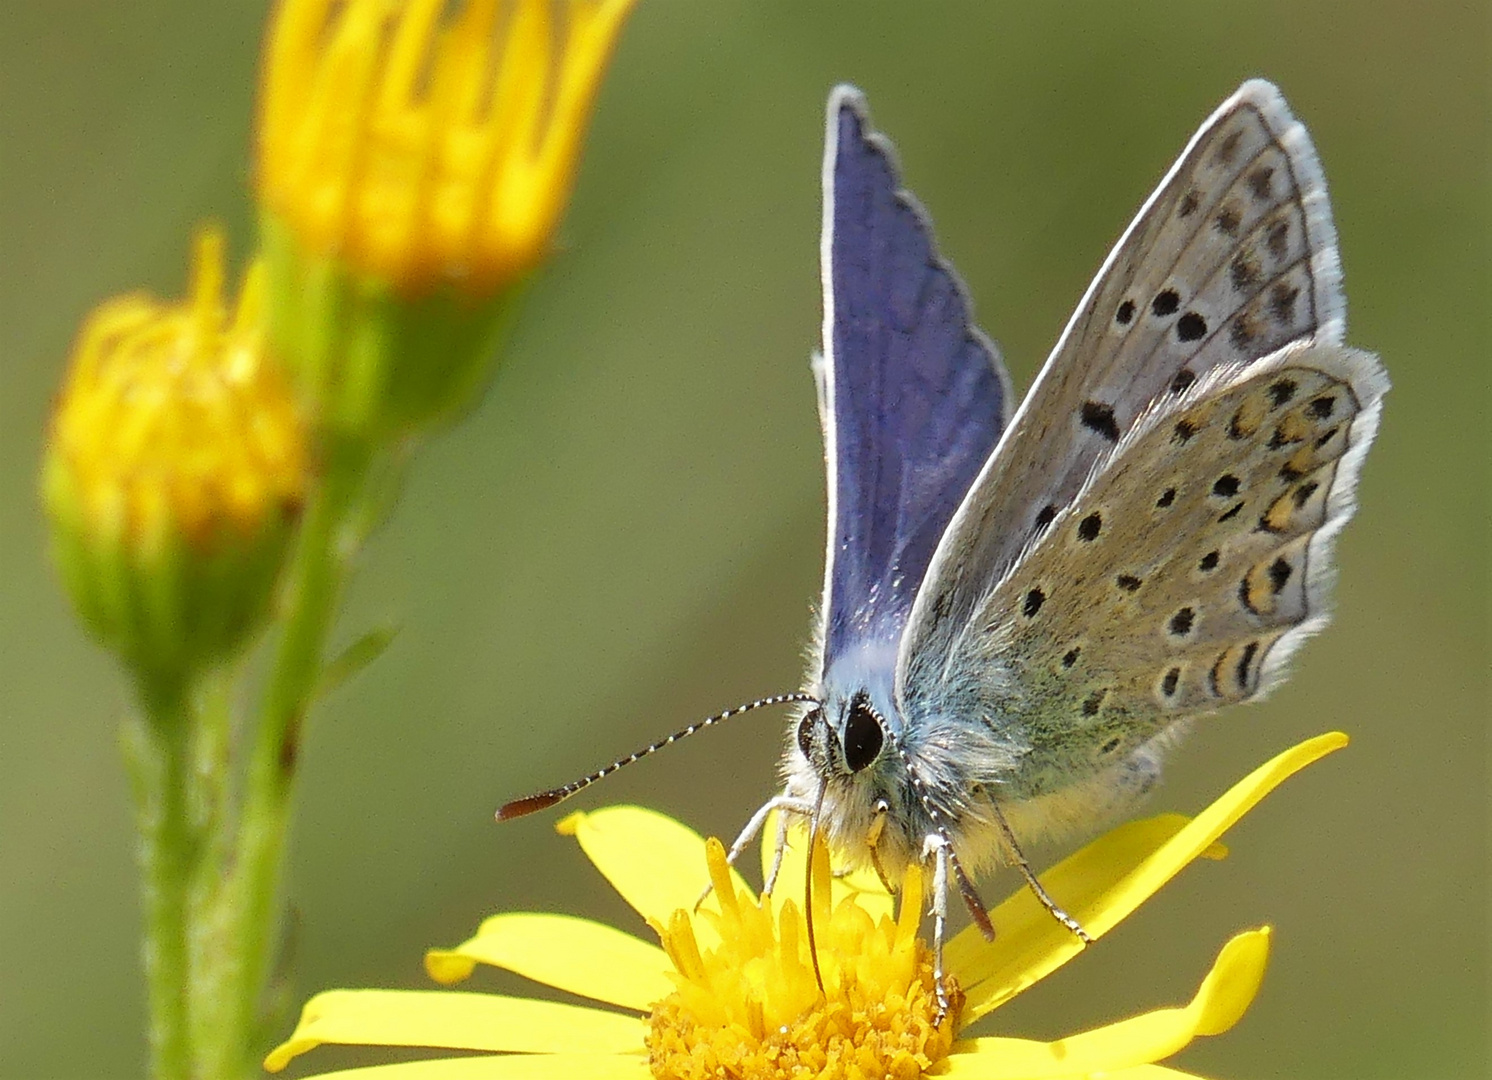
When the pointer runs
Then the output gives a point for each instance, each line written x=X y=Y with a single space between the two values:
x=413 y=162
x=174 y=472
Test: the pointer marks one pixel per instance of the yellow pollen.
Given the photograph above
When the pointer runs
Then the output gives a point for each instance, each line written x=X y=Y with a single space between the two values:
x=429 y=146
x=751 y=1007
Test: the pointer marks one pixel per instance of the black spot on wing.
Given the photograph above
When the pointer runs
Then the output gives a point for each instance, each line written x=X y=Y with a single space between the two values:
x=1260 y=182
x=1044 y=518
x=1225 y=486
x=1166 y=302
x=1098 y=417
x=1277 y=240
x=1242 y=332
x=1191 y=327
x=1241 y=672
x=1169 y=683
x=1281 y=392
x=1244 y=272
x=1034 y=599
x=1089 y=527
x=1246 y=596
x=1182 y=622
x=1282 y=303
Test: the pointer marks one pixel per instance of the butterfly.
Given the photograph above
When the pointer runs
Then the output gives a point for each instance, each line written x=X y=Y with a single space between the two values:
x=1022 y=612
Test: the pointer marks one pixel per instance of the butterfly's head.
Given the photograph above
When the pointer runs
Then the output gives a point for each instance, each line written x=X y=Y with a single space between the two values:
x=843 y=756
x=841 y=739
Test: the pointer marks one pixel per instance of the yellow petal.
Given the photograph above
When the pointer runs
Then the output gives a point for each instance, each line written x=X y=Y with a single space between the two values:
x=657 y=864
x=1222 y=999
x=1025 y=931
x=513 y=1067
x=455 y=1021
x=576 y=955
x=1104 y=883
x=791 y=881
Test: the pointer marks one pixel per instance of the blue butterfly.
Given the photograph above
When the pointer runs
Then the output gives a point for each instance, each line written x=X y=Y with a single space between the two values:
x=1022 y=613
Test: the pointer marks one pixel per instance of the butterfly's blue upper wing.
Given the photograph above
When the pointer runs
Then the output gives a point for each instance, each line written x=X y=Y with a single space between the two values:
x=912 y=396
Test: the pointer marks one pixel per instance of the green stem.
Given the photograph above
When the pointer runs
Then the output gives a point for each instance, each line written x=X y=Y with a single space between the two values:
x=157 y=750
x=210 y=971
x=317 y=576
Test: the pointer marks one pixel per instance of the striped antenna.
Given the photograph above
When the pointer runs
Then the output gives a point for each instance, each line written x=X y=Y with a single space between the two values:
x=545 y=799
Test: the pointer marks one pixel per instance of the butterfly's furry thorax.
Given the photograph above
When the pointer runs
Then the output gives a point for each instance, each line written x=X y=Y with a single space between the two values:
x=941 y=774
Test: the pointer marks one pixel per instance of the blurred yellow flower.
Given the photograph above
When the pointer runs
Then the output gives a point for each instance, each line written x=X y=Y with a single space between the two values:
x=414 y=158
x=732 y=991
x=175 y=469
x=427 y=147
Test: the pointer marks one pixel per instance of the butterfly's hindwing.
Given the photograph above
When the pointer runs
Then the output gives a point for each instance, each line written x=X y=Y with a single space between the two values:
x=913 y=395
x=1185 y=570
x=1233 y=256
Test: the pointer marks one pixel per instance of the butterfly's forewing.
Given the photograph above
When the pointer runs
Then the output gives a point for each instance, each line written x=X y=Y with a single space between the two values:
x=1186 y=569
x=913 y=397
x=1233 y=256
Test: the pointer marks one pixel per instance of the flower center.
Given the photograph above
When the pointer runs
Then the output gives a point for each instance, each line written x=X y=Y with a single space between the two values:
x=751 y=1007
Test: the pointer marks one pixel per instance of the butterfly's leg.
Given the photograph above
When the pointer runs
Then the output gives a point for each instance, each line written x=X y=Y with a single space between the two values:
x=872 y=838
x=937 y=847
x=1035 y=884
x=972 y=900
x=784 y=802
x=779 y=848
x=882 y=810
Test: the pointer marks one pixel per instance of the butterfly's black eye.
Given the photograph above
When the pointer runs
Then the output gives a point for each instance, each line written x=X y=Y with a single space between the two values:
x=862 y=737
x=805 y=731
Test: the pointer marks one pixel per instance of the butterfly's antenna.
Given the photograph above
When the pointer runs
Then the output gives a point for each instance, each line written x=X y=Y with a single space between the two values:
x=813 y=843
x=545 y=799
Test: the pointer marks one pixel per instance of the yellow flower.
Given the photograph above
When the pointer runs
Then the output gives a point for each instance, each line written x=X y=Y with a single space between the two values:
x=175 y=469
x=732 y=990
x=425 y=147
x=414 y=158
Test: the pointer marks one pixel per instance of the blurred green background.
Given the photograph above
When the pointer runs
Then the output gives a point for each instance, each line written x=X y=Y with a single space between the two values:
x=627 y=534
